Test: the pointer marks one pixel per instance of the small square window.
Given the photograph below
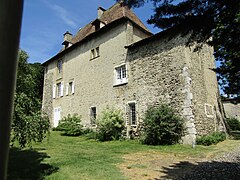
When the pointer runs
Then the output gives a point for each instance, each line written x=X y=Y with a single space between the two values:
x=94 y=53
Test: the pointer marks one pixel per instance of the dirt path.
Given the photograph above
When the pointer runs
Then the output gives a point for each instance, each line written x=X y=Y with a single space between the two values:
x=153 y=165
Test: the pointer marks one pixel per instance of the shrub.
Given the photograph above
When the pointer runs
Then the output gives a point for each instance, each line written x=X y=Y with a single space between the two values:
x=161 y=126
x=70 y=125
x=210 y=139
x=89 y=133
x=110 y=125
x=233 y=124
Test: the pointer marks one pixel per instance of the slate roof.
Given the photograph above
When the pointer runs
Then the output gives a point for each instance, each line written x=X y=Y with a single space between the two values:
x=115 y=12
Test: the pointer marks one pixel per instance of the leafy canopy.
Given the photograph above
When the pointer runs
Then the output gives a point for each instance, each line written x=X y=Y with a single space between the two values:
x=219 y=19
x=28 y=124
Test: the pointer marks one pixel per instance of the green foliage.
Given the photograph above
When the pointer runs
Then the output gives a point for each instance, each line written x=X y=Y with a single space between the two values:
x=90 y=133
x=28 y=125
x=110 y=125
x=161 y=126
x=210 y=139
x=218 y=20
x=233 y=124
x=70 y=125
x=29 y=128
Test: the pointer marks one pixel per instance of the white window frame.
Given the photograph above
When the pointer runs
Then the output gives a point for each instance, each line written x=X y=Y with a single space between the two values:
x=67 y=86
x=59 y=89
x=120 y=76
x=94 y=53
x=54 y=91
x=70 y=88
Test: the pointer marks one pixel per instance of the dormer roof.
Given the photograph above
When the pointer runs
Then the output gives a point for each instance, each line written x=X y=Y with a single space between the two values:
x=114 y=13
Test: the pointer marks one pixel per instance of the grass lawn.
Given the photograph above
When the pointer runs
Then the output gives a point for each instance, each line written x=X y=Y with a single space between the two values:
x=62 y=158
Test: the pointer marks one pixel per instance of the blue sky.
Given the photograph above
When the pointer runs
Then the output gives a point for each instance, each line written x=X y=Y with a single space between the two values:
x=45 y=21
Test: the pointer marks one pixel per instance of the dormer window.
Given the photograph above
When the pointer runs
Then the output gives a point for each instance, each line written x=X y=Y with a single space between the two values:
x=94 y=53
x=67 y=39
x=97 y=26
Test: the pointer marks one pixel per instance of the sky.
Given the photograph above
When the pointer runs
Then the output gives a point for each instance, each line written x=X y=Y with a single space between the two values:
x=45 y=21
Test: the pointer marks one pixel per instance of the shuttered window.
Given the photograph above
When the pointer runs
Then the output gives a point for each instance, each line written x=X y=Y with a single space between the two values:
x=54 y=91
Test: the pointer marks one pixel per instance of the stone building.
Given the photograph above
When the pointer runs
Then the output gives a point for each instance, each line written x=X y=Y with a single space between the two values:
x=231 y=107
x=116 y=61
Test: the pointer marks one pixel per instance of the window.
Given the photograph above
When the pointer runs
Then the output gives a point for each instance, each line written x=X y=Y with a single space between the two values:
x=97 y=51
x=70 y=88
x=59 y=66
x=120 y=75
x=60 y=89
x=209 y=110
x=94 y=53
x=93 y=115
x=97 y=26
x=132 y=114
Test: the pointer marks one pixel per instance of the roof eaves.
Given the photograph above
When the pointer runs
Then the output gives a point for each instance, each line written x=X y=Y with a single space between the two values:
x=62 y=53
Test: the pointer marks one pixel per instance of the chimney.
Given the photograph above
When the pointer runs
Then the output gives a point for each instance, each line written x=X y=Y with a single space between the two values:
x=67 y=37
x=100 y=12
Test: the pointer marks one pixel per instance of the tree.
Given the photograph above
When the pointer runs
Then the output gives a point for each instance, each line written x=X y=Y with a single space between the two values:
x=219 y=19
x=28 y=124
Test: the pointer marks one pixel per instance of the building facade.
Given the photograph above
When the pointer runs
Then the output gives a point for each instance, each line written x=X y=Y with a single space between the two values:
x=115 y=61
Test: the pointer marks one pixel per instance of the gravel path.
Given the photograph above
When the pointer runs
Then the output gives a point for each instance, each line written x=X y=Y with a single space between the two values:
x=223 y=167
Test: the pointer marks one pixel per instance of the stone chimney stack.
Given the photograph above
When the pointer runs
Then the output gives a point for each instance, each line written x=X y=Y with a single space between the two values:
x=100 y=12
x=67 y=37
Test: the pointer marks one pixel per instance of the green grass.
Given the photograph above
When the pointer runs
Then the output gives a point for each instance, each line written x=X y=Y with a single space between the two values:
x=60 y=157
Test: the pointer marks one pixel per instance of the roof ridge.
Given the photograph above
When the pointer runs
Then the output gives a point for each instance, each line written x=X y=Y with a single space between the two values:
x=116 y=11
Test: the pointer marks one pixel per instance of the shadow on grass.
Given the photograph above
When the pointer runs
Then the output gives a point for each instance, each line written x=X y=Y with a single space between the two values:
x=235 y=135
x=203 y=170
x=27 y=164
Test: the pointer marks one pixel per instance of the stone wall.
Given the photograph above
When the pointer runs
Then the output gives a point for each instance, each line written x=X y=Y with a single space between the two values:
x=166 y=70
x=232 y=109
x=205 y=89
x=161 y=69
x=158 y=74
